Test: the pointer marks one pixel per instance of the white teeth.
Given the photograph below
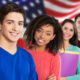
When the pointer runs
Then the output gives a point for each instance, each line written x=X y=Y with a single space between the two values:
x=41 y=41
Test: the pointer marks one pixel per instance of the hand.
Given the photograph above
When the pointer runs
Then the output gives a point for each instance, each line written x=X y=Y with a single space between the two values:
x=63 y=78
x=51 y=77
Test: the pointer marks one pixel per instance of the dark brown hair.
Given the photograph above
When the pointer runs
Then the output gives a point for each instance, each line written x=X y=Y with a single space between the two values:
x=74 y=39
x=77 y=17
x=39 y=21
x=11 y=7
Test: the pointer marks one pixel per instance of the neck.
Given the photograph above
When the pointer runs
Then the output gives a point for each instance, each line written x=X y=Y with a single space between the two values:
x=66 y=44
x=8 y=46
x=39 y=48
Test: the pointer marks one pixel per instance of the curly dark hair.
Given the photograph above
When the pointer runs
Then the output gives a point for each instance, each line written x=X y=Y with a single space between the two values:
x=39 y=21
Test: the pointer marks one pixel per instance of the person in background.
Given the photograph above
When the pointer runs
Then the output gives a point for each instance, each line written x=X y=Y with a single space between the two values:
x=43 y=39
x=15 y=62
x=77 y=22
x=70 y=57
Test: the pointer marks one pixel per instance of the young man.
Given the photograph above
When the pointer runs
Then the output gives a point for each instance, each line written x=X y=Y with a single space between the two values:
x=77 y=21
x=15 y=62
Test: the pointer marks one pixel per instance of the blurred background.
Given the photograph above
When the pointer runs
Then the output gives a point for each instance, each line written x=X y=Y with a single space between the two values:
x=60 y=9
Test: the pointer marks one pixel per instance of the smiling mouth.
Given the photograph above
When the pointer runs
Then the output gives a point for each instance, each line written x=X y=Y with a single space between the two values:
x=41 y=41
x=14 y=34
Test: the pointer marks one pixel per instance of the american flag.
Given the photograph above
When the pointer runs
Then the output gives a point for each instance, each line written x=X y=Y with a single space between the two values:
x=60 y=9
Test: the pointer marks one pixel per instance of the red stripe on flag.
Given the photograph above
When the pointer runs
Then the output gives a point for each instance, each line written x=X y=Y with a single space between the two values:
x=58 y=14
x=74 y=16
x=61 y=4
x=74 y=0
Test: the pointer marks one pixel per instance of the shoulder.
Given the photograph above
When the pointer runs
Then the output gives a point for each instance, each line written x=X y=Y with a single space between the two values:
x=22 y=50
x=21 y=43
x=24 y=53
x=75 y=48
x=26 y=57
x=56 y=57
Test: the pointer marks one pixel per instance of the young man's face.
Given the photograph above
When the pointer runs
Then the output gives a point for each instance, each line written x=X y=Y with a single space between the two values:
x=12 y=27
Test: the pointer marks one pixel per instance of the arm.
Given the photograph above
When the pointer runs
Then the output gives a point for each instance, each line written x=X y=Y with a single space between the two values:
x=56 y=67
x=77 y=76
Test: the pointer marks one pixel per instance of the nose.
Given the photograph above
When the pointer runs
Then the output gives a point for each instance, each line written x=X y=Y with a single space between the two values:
x=16 y=27
x=42 y=35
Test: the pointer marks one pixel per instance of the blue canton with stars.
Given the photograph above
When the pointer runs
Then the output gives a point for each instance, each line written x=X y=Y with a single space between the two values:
x=33 y=8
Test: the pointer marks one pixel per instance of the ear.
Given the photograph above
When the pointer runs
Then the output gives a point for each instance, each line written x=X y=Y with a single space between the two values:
x=53 y=37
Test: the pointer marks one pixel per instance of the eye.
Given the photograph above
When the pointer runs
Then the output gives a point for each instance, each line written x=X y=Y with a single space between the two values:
x=48 y=34
x=71 y=30
x=65 y=28
x=39 y=30
x=9 y=22
x=21 y=23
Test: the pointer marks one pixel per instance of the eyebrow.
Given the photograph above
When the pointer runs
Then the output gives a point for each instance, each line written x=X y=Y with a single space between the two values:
x=46 y=31
x=13 y=21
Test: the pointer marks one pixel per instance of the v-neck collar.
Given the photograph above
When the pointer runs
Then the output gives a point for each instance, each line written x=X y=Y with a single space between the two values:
x=5 y=52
